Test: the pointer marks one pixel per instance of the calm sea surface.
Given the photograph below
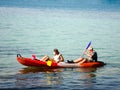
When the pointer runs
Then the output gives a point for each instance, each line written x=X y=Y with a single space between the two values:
x=38 y=26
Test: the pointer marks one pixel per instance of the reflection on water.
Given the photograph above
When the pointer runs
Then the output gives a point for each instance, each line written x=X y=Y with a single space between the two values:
x=42 y=77
x=40 y=69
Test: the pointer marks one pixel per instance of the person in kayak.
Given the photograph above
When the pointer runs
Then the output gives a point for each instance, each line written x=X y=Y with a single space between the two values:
x=57 y=57
x=91 y=57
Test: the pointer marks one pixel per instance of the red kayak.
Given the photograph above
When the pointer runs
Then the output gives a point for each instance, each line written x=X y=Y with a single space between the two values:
x=38 y=63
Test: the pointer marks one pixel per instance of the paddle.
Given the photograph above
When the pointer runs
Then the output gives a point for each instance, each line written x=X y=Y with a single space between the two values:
x=87 y=47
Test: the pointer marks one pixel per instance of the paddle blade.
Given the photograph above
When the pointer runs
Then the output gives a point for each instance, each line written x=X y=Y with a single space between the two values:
x=88 y=45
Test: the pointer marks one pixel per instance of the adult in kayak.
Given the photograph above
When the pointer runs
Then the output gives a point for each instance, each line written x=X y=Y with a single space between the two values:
x=91 y=57
x=57 y=57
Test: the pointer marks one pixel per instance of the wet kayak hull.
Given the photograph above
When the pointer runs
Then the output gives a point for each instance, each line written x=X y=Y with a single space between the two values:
x=38 y=63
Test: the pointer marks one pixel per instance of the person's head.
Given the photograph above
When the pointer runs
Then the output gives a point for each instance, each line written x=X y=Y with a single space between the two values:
x=56 y=52
x=90 y=48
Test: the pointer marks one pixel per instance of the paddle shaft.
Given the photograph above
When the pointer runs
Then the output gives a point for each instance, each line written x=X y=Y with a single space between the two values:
x=86 y=48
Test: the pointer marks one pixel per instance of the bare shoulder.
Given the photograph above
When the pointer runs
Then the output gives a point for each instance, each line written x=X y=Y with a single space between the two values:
x=60 y=54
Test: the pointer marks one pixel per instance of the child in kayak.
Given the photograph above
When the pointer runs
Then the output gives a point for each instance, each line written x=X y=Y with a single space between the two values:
x=57 y=57
x=90 y=53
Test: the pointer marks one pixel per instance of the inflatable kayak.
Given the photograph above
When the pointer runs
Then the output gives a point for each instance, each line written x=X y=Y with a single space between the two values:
x=38 y=63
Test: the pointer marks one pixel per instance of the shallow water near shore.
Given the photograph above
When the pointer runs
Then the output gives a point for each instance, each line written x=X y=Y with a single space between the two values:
x=38 y=30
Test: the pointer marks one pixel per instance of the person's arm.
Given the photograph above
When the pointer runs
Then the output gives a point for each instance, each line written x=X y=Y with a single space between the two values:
x=88 y=54
x=61 y=58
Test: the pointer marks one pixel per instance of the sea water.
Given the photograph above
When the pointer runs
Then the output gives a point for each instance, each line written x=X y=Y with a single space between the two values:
x=38 y=26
